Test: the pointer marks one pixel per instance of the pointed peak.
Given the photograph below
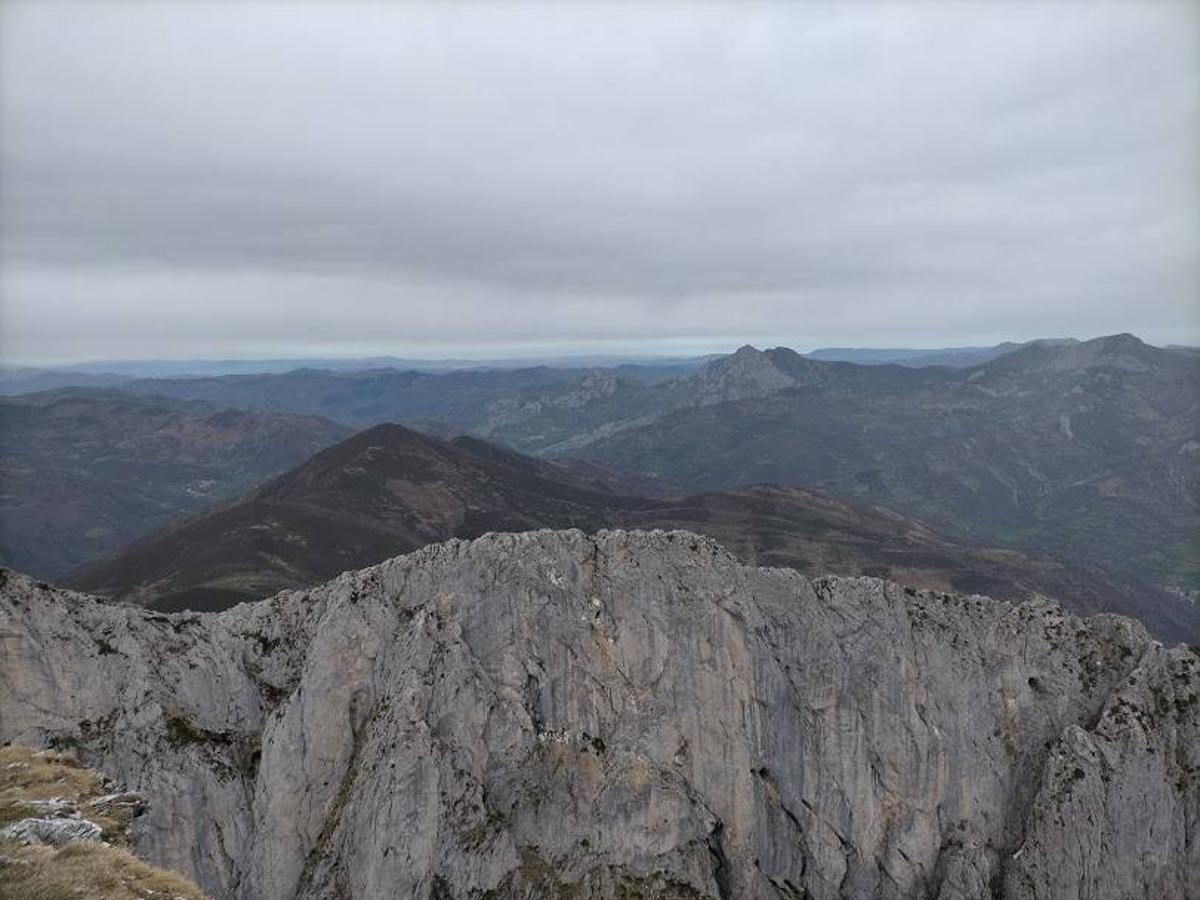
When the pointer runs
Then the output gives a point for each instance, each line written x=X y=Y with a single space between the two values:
x=747 y=351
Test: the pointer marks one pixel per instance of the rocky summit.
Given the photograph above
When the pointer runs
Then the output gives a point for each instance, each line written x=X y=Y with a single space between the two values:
x=632 y=714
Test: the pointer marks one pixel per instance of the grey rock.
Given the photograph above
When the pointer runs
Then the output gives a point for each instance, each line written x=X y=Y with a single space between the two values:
x=50 y=831
x=747 y=373
x=628 y=714
x=54 y=808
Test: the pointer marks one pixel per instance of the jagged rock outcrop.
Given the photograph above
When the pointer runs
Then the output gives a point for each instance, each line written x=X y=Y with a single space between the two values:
x=50 y=831
x=629 y=714
x=747 y=373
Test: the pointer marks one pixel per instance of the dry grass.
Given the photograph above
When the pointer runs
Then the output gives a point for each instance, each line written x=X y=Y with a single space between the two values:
x=78 y=871
x=45 y=775
x=87 y=872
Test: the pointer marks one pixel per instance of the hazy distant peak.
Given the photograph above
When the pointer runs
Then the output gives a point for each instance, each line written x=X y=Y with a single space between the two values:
x=749 y=372
x=746 y=351
x=1119 y=342
x=1120 y=351
x=787 y=359
x=954 y=357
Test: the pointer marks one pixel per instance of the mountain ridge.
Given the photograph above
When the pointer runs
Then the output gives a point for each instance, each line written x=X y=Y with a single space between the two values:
x=957 y=357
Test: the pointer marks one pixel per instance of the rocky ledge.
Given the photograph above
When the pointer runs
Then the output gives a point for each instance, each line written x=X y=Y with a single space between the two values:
x=623 y=715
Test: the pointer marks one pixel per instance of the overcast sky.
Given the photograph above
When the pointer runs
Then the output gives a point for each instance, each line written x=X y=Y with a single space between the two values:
x=189 y=180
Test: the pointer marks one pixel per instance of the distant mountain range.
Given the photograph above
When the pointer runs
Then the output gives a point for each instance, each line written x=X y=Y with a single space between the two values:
x=25 y=379
x=16 y=380
x=1089 y=452
x=92 y=374
x=956 y=357
x=1084 y=452
x=390 y=490
x=83 y=473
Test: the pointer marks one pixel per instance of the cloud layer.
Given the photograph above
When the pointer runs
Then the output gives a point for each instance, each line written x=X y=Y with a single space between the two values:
x=196 y=179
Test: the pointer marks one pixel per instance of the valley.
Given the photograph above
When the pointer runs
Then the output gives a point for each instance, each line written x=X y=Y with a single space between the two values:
x=84 y=473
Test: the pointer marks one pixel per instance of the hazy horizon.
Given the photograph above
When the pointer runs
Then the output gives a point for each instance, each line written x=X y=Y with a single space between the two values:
x=556 y=352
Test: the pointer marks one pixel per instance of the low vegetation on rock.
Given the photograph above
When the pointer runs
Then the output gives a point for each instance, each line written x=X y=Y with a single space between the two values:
x=64 y=835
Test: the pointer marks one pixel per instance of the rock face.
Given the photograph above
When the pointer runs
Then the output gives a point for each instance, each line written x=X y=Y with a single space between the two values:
x=628 y=714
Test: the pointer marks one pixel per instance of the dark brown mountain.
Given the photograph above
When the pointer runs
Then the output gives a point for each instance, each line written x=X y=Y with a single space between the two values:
x=384 y=491
x=389 y=490
x=85 y=472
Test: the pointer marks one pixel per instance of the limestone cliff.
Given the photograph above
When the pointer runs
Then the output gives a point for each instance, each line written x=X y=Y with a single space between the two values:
x=629 y=714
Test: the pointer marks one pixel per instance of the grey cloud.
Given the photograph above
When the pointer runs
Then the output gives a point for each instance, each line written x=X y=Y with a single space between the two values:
x=204 y=178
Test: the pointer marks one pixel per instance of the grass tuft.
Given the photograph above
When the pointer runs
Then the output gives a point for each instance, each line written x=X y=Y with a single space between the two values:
x=87 y=872
x=76 y=871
